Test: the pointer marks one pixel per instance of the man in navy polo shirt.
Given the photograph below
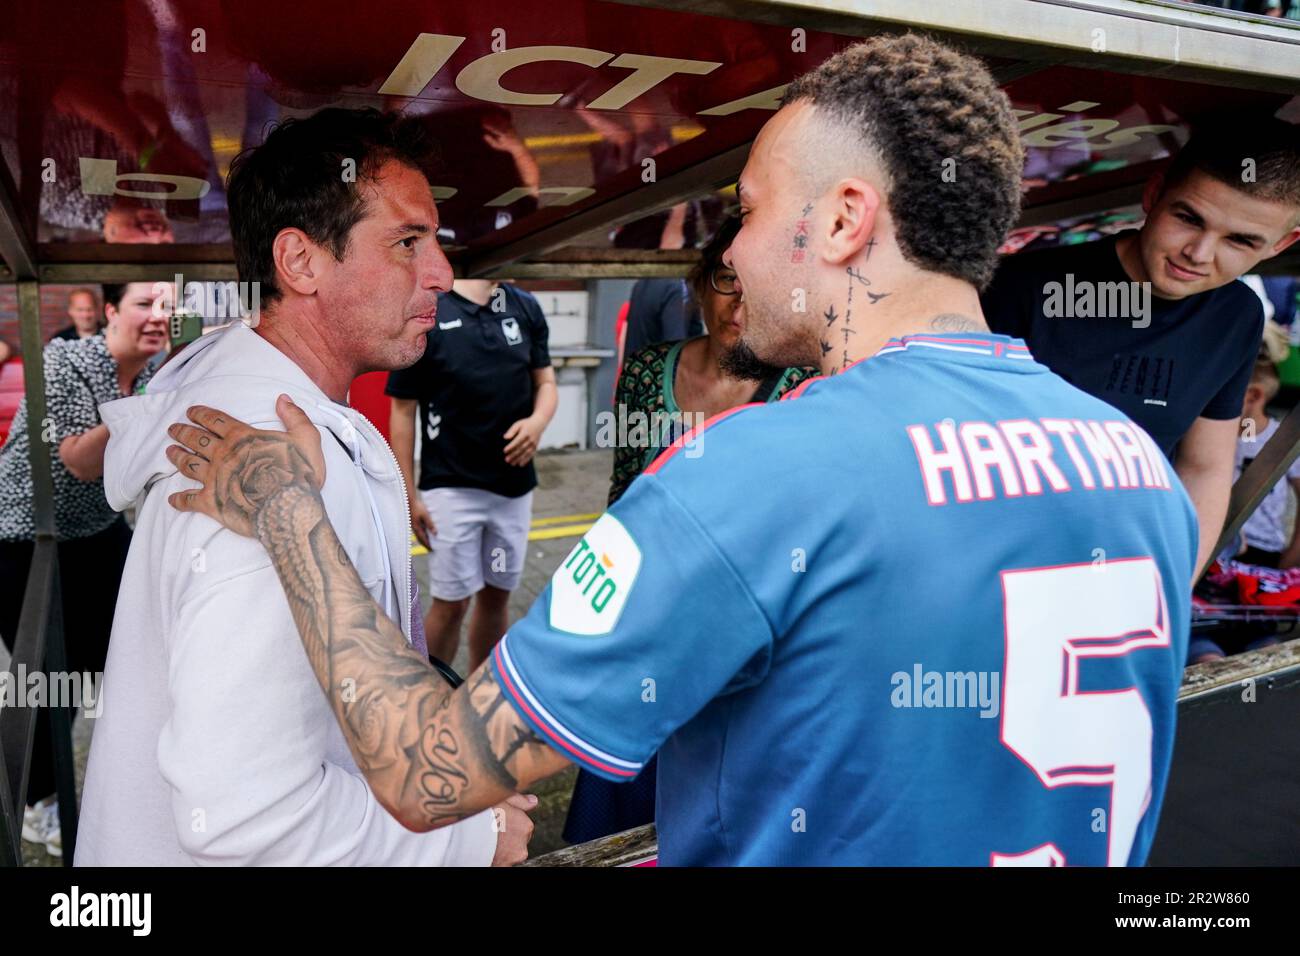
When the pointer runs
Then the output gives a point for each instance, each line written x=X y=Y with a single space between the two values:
x=1153 y=321
x=485 y=391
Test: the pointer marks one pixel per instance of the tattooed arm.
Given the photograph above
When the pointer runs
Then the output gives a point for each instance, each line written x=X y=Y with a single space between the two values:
x=431 y=755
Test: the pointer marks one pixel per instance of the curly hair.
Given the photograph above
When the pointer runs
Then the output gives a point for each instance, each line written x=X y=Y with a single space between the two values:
x=946 y=138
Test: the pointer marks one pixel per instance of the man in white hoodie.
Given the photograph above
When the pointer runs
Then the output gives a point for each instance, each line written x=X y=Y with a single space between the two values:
x=215 y=744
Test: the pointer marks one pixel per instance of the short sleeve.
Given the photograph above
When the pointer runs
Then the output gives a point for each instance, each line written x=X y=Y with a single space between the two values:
x=1227 y=401
x=643 y=624
x=405 y=382
x=539 y=355
x=70 y=401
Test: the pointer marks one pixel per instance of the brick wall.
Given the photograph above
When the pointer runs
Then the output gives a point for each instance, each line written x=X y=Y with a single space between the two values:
x=54 y=310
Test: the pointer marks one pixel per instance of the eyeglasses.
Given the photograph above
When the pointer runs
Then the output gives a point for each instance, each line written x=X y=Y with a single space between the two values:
x=723 y=282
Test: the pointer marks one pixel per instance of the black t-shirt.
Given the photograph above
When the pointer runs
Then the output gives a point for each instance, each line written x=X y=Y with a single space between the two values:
x=70 y=334
x=473 y=382
x=1193 y=360
x=659 y=310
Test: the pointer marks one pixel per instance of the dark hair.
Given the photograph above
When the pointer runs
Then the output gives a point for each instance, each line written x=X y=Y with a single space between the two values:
x=1225 y=149
x=711 y=257
x=113 y=294
x=926 y=109
x=296 y=179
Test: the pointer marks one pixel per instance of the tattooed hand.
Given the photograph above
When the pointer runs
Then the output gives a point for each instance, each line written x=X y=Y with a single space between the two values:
x=431 y=756
x=242 y=469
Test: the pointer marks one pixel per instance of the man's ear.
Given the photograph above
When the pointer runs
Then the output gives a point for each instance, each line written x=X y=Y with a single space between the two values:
x=296 y=260
x=1152 y=190
x=854 y=216
x=1284 y=242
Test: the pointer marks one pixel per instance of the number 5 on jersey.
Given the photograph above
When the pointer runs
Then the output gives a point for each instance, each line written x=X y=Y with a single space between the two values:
x=1056 y=619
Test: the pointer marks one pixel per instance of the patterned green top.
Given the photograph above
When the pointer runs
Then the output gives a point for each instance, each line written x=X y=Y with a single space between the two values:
x=647 y=411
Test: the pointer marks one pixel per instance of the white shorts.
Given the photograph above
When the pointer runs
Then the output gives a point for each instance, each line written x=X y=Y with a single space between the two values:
x=482 y=538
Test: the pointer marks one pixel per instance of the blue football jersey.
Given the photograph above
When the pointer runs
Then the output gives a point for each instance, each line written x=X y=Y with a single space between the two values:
x=932 y=610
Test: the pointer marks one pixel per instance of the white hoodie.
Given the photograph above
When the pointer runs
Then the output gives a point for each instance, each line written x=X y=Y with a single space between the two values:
x=216 y=743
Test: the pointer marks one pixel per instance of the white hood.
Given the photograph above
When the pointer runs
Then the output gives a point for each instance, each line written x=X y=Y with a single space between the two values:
x=231 y=370
x=236 y=370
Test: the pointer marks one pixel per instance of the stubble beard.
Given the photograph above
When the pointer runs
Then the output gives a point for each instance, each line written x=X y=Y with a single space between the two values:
x=739 y=361
x=777 y=340
x=406 y=353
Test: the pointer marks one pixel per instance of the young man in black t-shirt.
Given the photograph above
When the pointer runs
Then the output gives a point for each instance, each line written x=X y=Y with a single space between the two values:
x=485 y=392
x=1152 y=320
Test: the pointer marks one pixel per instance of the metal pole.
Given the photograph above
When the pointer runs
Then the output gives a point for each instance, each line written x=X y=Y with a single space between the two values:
x=61 y=714
x=40 y=628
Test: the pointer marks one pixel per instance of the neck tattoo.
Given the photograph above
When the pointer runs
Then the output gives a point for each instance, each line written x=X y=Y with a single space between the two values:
x=846 y=330
x=954 y=322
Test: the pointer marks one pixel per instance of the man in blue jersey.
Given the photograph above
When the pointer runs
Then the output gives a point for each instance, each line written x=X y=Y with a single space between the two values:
x=931 y=611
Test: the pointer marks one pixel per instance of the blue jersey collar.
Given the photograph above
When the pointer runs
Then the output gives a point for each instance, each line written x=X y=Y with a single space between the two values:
x=961 y=343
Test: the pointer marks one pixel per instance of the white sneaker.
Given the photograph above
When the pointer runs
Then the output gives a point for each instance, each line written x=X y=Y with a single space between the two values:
x=41 y=825
x=33 y=819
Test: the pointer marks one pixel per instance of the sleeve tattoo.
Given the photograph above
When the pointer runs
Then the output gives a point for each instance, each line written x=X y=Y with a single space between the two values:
x=432 y=755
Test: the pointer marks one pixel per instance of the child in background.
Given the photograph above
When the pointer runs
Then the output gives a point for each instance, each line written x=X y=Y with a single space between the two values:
x=1269 y=542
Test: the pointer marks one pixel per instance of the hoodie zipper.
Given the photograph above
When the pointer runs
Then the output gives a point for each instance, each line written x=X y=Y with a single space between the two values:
x=406 y=504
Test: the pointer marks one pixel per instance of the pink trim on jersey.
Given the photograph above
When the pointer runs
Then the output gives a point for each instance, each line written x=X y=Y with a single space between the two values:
x=686 y=438
x=997 y=349
x=556 y=739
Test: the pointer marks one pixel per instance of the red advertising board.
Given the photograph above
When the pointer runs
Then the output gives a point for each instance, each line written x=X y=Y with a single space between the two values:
x=127 y=115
